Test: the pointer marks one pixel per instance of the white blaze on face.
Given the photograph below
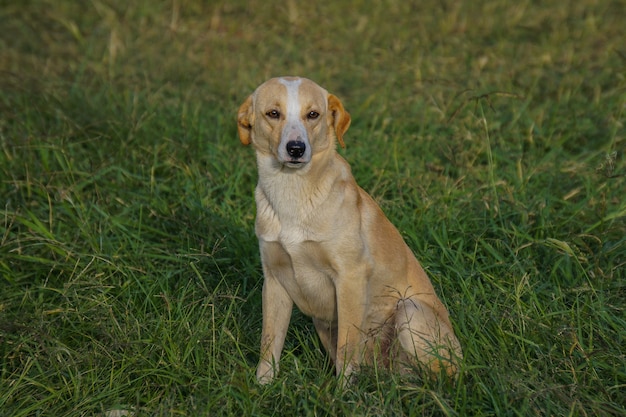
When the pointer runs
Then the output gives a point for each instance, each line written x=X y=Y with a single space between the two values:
x=293 y=104
x=294 y=129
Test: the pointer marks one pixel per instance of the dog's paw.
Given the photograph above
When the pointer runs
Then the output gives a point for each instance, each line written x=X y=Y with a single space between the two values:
x=265 y=373
x=347 y=375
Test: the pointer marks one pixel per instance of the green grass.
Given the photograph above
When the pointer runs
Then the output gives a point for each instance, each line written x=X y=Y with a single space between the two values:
x=491 y=133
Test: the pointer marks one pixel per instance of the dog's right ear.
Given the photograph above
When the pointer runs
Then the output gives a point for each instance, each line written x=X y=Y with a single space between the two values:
x=245 y=118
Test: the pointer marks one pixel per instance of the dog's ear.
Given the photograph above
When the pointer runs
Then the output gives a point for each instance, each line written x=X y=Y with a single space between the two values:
x=244 y=121
x=340 y=118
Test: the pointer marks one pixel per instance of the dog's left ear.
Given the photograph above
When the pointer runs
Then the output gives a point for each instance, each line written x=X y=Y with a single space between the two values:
x=244 y=121
x=340 y=118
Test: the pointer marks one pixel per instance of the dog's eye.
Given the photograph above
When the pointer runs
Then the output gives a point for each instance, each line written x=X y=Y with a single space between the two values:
x=273 y=114
x=313 y=115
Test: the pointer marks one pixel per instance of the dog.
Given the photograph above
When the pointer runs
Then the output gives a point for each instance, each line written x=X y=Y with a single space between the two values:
x=327 y=247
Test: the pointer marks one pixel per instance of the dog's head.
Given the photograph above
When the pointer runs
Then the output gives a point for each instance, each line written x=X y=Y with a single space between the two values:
x=292 y=119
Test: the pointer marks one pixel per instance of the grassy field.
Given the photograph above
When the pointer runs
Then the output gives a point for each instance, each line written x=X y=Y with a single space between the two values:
x=490 y=132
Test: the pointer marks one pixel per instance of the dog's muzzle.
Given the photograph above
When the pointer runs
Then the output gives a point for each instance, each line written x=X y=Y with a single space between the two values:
x=296 y=148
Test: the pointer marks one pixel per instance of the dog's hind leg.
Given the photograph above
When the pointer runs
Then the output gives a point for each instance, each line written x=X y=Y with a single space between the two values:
x=425 y=337
x=328 y=335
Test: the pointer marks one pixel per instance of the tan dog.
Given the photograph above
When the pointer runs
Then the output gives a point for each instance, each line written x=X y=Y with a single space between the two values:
x=326 y=245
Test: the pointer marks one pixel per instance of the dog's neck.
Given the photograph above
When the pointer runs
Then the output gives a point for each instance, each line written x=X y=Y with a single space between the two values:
x=291 y=191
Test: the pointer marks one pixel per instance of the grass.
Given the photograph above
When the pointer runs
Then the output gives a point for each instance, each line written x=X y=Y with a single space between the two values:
x=491 y=133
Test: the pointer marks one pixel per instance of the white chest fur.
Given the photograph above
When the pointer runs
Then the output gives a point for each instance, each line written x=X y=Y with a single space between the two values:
x=290 y=226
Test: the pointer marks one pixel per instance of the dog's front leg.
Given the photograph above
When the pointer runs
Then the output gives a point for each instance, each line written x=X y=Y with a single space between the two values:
x=351 y=306
x=277 y=307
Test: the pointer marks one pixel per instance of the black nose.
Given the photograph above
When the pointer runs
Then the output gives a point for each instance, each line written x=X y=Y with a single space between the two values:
x=296 y=148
